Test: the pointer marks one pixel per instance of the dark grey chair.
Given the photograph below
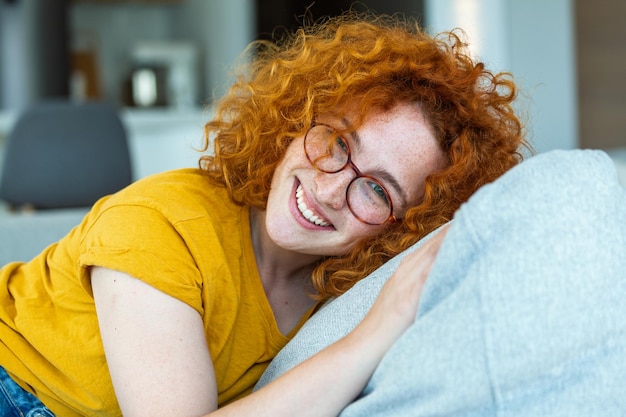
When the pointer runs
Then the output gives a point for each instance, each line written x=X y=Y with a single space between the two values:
x=62 y=154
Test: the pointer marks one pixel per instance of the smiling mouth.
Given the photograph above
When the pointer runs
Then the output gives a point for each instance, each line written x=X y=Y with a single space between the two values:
x=306 y=212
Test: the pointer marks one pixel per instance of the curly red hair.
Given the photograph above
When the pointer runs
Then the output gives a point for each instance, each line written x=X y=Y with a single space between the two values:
x=365 y=61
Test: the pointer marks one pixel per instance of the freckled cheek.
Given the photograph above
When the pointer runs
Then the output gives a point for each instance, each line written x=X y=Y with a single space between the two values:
x=350 y=244
x=293 y=161
x=362 y=231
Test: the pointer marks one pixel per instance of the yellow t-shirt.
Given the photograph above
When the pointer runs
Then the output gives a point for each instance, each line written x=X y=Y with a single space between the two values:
x=174 y=231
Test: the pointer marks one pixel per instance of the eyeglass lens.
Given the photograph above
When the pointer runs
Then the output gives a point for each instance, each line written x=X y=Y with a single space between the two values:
x=367 y=199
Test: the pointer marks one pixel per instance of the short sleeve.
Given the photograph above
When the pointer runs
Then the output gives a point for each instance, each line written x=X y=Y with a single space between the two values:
x=142 y=242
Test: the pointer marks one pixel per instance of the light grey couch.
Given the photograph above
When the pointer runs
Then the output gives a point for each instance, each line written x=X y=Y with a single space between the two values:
x=24 y=235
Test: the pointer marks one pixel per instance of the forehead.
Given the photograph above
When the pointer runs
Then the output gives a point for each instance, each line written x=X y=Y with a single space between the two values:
x=403 y=121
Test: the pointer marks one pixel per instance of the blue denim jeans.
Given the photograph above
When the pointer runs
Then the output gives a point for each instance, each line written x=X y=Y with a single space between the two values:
x=15 y=402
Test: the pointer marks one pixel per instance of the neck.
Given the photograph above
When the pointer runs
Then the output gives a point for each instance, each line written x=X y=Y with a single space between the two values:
x=274 y=262
x=285 y=275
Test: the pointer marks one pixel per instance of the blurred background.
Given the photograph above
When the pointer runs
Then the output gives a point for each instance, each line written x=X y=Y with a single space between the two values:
x=162 y=62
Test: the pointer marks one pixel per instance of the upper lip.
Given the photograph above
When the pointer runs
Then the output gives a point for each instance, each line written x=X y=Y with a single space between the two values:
x=312 y=205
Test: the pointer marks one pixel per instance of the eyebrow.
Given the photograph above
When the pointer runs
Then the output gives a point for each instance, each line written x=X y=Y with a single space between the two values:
x=378 y=173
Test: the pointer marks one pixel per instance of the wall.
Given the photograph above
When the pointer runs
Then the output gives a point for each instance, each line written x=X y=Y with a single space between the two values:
x=223 y=29
x=534 y=40
x=601 y=39
x=219 y=30
x=28 y=71
x=91 y=26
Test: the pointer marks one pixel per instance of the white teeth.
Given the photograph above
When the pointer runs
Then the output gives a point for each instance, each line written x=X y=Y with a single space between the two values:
x=306 y=212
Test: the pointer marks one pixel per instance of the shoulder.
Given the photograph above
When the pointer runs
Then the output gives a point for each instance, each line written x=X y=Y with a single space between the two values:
x=160 y=210
x=177 y=195
x=163 y=230
x=181 y=182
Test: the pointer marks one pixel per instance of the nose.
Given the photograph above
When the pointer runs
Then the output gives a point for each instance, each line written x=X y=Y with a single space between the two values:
x=331 y=188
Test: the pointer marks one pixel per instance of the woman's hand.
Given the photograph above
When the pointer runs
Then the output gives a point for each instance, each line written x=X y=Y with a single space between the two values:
x=396 y=306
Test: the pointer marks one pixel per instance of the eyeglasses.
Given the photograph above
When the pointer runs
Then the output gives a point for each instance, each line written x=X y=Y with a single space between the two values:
x=367 y=198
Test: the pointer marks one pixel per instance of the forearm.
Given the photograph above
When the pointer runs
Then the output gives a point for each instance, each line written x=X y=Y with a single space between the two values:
x=322 y=385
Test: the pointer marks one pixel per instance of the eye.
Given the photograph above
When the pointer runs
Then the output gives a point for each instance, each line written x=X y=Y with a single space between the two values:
x=341 y=144
x=379 y=192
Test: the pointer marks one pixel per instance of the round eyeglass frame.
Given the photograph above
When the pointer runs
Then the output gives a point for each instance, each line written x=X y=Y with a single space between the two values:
x=391 y=218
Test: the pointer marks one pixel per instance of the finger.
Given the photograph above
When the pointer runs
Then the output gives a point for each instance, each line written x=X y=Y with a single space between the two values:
x=403 y=290
x=423 y=257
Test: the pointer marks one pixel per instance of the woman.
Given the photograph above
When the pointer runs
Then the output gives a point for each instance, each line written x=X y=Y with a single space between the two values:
x=335 y=149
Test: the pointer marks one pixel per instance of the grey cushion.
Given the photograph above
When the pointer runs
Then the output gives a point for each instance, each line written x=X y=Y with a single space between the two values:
x=24 y=235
